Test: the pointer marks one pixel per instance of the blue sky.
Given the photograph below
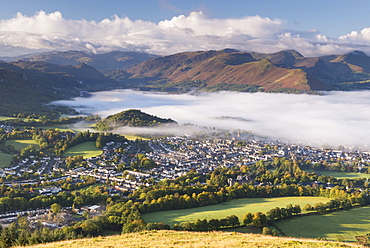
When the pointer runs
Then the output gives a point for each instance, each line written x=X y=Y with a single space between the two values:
x=331 y=17
x=311 y=27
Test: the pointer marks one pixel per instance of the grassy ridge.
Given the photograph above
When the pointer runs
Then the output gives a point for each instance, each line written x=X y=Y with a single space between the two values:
x=235 y=207
x=191 y=239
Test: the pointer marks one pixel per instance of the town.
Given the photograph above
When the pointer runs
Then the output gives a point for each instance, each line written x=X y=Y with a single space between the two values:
x=52 y=186
x=174 y=157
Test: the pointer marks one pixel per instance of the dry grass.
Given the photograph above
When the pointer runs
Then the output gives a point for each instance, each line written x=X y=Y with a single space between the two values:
x=192 y=239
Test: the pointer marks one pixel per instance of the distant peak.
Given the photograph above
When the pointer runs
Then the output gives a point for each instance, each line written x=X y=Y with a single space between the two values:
x=230 y=50
x=358 y=53
x=293 y=52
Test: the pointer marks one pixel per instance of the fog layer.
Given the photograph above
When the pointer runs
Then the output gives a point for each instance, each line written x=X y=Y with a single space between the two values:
x=336 y=118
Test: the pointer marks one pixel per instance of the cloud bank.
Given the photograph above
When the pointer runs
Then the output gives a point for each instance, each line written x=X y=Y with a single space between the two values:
x=196 y=31
x=336 y=118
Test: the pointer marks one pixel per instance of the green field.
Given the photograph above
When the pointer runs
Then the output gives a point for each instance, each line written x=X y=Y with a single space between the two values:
x=5 y=159
x=341 y=175
x=235 y=207
x=20 y=144
x=62 y=128
x=86 y=149
x=344 y=224
x=4 y=118
x=133 y=137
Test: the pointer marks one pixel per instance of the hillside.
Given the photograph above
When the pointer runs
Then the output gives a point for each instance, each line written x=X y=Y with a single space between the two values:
x=131 y=118
x=192 y=239
x=27 y=86
x=104 y=61
x=82 y=76
x=230 y=67
x=23 y=92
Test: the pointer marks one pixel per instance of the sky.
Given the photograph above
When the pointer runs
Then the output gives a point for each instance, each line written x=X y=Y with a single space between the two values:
x=163 y=27
x=332 y=119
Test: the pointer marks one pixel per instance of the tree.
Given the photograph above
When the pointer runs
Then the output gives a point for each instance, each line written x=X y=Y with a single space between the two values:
x=259 y=219
x=233 y=220
x=268 y=231
x=56 y=208
x=90 y=228
x=320 y=207
x=201 y=225
x=308 y=207
x=247 y=218
x=214 y=224
x=24 y=223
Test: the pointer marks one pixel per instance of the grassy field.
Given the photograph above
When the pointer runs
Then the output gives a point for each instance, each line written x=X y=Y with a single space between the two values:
x=5 y=159
x=235 y=207
x=341 y=224
x=79 y=128
x=339 y=174
x=62 y=128
x=86 y=149
x=92 y=186
x=133 y=137
x=19 y=144
x=191 y=239
x=4 y=118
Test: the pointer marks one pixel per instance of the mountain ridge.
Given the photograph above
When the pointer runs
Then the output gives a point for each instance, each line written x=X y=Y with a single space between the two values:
x=102 y=61
x=215 y=67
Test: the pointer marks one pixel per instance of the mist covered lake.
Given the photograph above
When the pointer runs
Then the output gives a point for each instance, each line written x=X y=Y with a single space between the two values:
x=335 y=118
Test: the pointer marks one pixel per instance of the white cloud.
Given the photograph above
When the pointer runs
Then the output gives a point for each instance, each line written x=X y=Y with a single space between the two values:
x=196 y=31
x=336 y=118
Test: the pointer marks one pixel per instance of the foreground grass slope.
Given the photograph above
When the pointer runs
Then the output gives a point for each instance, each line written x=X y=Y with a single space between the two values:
x=192 y=239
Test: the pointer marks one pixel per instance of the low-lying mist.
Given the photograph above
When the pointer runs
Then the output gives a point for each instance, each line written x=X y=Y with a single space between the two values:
x=335 y=118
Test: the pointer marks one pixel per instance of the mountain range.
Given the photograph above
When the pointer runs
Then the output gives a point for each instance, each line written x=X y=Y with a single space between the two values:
x=32 y=80
x=271 y=72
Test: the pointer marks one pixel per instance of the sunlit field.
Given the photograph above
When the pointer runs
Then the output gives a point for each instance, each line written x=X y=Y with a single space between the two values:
x=20 y=144
x=333 y=226
x=342 y=175
x=4 y=118
x=133 y=137
x=236 y=207
x=86 y=149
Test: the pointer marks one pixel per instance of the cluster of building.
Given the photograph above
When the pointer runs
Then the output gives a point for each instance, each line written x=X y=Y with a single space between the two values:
x=175 y=156
x=6 y=128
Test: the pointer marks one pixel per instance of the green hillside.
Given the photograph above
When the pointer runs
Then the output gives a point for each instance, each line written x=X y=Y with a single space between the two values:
x=27 y=86
x=131 y=118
